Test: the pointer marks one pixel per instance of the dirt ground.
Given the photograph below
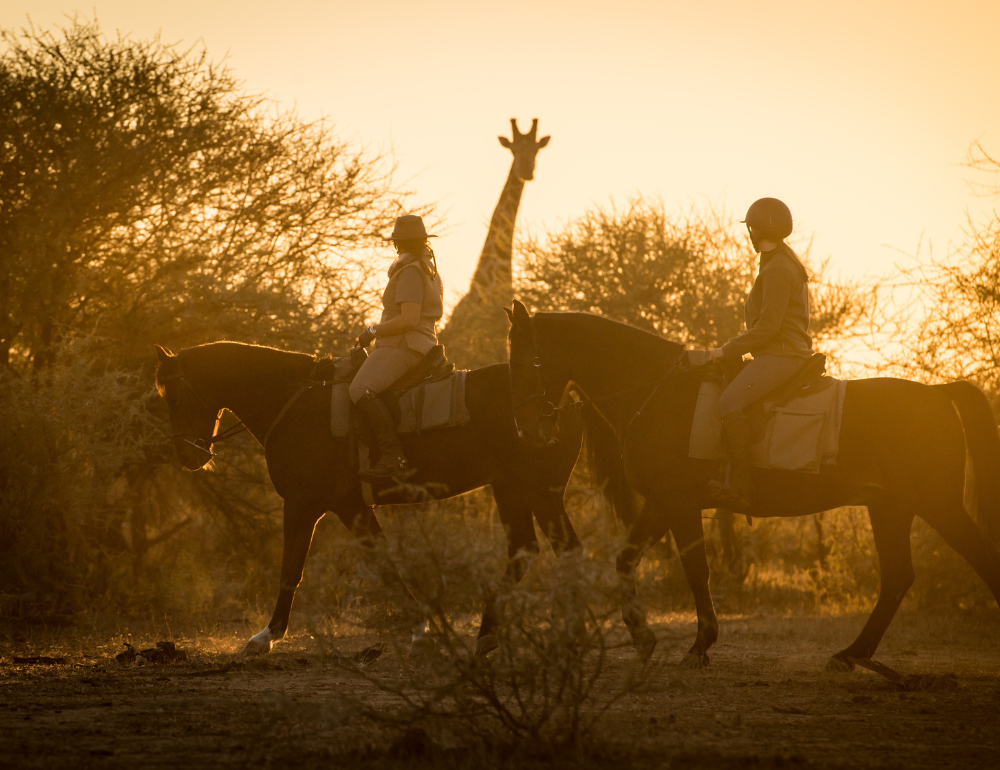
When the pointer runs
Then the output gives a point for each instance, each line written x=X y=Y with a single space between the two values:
x=765 y=701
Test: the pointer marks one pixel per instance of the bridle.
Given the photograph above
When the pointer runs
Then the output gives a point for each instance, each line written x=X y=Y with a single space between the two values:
x=549 y=410
x=202 y=443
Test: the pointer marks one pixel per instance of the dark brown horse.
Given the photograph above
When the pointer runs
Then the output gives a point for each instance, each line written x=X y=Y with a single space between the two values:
x=313 y=472
x=902 y=454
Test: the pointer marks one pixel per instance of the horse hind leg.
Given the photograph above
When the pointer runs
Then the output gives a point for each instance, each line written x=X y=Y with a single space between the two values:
x=363 y=524
x=959 y=531
x=891 y=531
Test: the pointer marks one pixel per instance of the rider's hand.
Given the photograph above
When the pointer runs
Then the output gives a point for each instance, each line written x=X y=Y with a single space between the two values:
x=366 y=337
x=715 y=354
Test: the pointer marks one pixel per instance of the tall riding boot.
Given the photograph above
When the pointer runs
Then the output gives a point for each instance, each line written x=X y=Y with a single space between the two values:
x=391 y=461
x=735 y=496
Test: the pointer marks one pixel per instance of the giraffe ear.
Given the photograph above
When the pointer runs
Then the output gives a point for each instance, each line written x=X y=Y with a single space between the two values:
x=510 y=314
x=543 y=141
x=505 y=142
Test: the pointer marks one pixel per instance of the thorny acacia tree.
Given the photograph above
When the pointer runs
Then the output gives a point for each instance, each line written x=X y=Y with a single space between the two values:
x=145 y=197
x=959 y=336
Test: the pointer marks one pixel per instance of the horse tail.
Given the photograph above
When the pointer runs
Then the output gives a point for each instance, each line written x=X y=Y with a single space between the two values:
x=983 y=442
x=607 y=469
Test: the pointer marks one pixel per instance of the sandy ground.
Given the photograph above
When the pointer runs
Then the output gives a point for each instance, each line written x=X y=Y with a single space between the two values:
x=764 y=702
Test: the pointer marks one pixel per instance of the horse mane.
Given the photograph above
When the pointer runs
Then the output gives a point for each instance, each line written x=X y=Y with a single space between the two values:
x=608 y=327
x=243 y=358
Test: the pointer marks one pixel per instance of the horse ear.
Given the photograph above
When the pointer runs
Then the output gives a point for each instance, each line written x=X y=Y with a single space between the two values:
x=163 y=354
x=510 y=314
x=520 y=312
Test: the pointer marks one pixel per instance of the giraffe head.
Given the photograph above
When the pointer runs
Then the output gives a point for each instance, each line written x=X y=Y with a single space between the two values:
x=524 y=147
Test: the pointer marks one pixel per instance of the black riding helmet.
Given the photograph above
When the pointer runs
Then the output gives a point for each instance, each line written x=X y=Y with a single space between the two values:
x=771 y=217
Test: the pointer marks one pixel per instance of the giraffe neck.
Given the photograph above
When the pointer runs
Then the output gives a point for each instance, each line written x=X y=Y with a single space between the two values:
x=493 y=271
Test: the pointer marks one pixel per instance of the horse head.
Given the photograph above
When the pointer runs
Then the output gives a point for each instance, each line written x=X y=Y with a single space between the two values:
x=537 y=388
x=193 y=422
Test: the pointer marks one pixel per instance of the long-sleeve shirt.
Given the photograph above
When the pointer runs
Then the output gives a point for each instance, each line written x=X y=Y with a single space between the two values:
x=776 y=310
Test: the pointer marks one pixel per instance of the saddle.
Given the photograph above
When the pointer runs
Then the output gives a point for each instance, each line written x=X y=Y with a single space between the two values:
x=431 y=395
x=795 y=426
x=808 y=380
x=433 y=366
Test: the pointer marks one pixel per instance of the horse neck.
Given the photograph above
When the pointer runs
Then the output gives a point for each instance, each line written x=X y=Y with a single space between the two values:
x=616 y=367
x=253 y=383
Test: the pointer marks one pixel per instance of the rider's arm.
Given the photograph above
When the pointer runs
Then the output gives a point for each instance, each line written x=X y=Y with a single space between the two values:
x=408 y=318
x=410 y=298
x=777 y=290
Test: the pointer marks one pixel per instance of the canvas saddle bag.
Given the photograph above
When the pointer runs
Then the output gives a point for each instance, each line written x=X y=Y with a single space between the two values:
x=794 y=428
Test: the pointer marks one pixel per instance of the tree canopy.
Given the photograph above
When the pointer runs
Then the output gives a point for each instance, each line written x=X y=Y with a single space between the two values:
x=145 y=195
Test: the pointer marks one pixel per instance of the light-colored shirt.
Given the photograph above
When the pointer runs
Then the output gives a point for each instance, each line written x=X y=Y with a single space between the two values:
x=413 y=278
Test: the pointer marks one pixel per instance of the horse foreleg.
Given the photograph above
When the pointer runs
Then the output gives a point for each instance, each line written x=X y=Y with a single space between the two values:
x=891 y=531
x=685 y=523
x=299 y=524
x=550 y=512
x=515 y=517
x=649 y=527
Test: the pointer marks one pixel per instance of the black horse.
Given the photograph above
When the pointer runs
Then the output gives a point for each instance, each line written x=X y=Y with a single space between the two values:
x=313 y=472
x=902 y=453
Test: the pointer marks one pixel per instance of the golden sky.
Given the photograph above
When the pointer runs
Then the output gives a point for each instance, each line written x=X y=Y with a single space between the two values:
x=857 y=114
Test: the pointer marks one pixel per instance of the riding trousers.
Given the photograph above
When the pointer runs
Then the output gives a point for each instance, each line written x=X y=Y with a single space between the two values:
x=383 y=367
x=758 y=378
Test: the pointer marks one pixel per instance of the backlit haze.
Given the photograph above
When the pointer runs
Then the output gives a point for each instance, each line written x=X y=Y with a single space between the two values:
x=859 y=116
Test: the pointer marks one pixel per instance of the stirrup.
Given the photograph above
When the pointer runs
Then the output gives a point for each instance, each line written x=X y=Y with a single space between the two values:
x=400 y=472
x=727 y=497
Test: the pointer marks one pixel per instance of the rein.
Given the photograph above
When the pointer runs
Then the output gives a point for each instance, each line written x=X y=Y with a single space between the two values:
x=205 y=444
x=549 y=409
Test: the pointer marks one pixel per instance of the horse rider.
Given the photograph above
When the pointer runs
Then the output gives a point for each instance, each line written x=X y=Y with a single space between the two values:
x=777 y=336
x=412 y=304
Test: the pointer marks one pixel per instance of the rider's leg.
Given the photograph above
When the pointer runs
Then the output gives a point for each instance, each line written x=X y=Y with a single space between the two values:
x=383 y=367
x=758 y=378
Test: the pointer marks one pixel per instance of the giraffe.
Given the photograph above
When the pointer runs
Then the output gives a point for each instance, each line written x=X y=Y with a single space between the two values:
x=476 y=333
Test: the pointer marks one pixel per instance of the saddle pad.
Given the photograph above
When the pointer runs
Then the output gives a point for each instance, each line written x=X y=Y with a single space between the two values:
x=438 y=404
x=801 y=435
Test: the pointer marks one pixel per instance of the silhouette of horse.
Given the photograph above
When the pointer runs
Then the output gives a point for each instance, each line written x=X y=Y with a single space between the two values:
x=313 y=472
x=902 y=453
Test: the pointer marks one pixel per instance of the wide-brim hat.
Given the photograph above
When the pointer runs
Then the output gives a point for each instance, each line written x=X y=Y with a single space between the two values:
x=409 y=227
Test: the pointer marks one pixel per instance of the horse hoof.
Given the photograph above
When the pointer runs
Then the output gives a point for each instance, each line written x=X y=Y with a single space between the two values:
x=255 y=649
x=486 y=644
x=644 y=641
x=694 y=661
x=838 y=665
x=421 y=647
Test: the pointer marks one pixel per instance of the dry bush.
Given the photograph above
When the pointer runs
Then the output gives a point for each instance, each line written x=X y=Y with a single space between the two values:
x=544 y=688
x=66 y=437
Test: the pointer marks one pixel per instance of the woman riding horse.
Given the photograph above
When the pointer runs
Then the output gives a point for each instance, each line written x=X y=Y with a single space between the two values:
x=412 y=304
x=777 y=335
